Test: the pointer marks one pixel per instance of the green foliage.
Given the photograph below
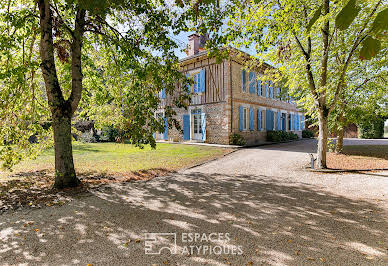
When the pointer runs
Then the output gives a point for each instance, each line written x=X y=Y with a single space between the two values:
x=109 y=134
x=127 y=58
x=331 y=145
x=346 y=16
x=280 y=136
x=307 y=134
x=371 y=128
x=237 y=139
x=370 y=48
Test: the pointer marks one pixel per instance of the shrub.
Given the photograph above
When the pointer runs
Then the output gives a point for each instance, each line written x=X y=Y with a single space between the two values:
x=372 y=128
x=307 y=134
x=109 y=134
x=279 y=136
x=88 y=137
x=237 y=139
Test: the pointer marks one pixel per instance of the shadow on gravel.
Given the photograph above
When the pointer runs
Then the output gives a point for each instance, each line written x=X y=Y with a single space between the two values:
x=272 y=222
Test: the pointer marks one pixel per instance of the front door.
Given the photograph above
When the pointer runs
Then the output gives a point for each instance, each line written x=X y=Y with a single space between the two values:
x=197 y=125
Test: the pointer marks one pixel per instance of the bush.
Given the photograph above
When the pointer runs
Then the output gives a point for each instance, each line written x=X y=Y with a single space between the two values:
x=307 y=134
x=109 y=134
x=279 y=136
x=372 y=128
x=88 y=137
x=237 y=139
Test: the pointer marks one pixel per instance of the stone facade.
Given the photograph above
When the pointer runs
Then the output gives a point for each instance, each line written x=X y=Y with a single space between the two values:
x=221 y=100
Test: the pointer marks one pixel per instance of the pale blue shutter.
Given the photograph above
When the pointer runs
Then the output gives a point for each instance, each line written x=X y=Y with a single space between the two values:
x=165 y=134
x=203 y=80
x=278 y=121
x=251 y=118
x=186 y=127
x=278 y=93
x=241 y=117
x=268 y=119
x=302 y=122
x=163 y=93
x=244 y=80
x=203 y=125
x=259 y=87
x=195 y=89
x=252 y=82
x=259 y=119
x=270 y=89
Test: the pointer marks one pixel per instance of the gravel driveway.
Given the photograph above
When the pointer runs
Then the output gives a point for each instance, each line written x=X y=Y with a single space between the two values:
x=261 y=202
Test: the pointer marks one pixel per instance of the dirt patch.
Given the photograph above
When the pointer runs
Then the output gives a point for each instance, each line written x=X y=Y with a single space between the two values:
x=33 y=189
x=355 y=162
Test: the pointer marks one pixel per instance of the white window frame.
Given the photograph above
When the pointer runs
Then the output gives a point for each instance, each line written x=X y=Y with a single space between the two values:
x=245 y=118
x=262 y=119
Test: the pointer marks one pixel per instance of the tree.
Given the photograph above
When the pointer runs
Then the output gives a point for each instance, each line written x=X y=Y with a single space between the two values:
x=136 y=37
x=301 y=38
x=364 y=96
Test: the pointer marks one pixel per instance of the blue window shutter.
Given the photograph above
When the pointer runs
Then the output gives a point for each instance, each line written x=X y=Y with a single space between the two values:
x=154 y=135
x=259 y=87
x=186 y=127
x=278 y=93
x=267 y=89
x=259 y=119
x=252 y=83
x=272 y=121
x=240 y=118
x=165 y=133
x=203 y=125
x=163 y=93
x=244 y=80
x=195 y=89
x=268 y=119
x=251 y=118
x=270 y=89
x=277 y=120
x=203 y=80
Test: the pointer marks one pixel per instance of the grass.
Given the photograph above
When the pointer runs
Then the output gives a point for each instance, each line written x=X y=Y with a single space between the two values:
x=123 y=158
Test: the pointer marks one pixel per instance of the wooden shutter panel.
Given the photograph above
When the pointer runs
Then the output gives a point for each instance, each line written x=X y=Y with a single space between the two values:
x=202 y=80
x=186 y=127
x=259 y=87
x=270 y=89
x=203 y=125
x=251 y=118
x=240 y=118
x=165 y=133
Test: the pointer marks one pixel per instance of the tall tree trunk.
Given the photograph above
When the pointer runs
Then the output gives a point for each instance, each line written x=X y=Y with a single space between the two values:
x=64 y=166
x=340 y=135
x=322 y=139
x=61 y=110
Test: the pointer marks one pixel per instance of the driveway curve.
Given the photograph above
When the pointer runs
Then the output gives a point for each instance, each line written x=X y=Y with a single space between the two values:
x=273 y=211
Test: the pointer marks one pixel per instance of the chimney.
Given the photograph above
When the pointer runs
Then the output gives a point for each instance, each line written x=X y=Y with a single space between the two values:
x=193 y=47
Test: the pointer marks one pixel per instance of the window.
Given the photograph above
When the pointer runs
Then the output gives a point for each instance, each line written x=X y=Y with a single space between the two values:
x=289 y=122
x=245 y=118
x=252 y=82
x=262 y=119
x=274 y=120
x=244 y=80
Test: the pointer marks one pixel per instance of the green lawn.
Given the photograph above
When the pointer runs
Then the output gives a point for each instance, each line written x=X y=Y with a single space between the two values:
x=120 y=158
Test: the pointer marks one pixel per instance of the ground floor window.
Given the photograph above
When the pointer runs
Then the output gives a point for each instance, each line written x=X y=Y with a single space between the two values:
x=197 y=125
x=245 y=118
x=262 y=119
x=289 y=122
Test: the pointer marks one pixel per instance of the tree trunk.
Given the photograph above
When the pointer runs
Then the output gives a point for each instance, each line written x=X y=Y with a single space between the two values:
x=64 y=166
x=61 y=110
x=322 y=139
x=340 y=135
